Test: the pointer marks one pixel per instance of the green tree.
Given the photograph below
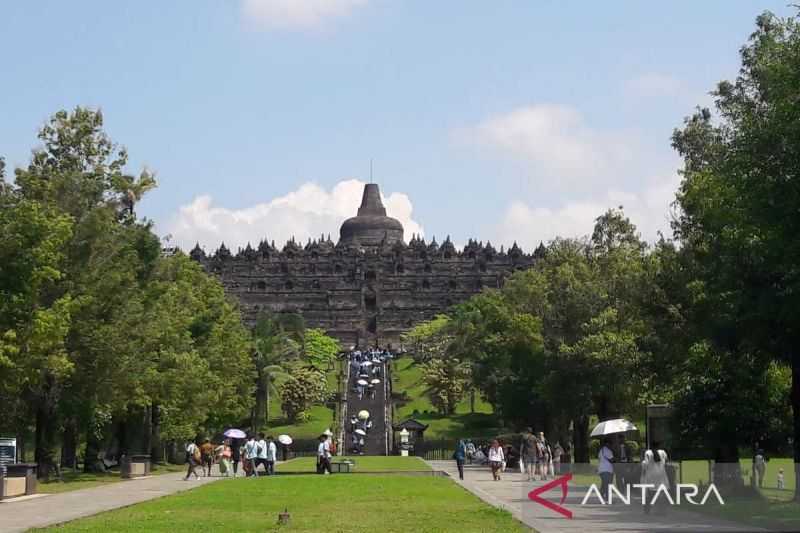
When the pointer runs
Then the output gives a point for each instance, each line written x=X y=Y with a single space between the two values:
x=446 y=381
x=277 y=342
x=320 y=350
x=739 y=198
x=305 y=386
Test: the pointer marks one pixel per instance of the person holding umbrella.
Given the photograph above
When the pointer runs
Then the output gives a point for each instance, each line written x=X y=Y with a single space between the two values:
x=605 y=466
x=236 y=447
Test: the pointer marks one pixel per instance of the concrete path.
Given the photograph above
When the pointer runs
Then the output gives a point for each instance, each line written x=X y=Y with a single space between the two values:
x=511 y=494
x=58 y=508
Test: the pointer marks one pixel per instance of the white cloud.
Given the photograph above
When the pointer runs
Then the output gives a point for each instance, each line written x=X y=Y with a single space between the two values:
x=295 y=14
x=649 y=210
x=656 y=84
x=304 y=213
x=556 y=141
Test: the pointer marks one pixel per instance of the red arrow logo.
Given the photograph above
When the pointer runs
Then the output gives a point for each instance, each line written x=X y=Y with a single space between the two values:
x=534 y=495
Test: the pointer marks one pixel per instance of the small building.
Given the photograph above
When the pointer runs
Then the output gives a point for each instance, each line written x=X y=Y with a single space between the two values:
x=416 y=432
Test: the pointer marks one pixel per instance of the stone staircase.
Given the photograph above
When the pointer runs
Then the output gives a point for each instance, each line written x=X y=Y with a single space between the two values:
x=376 y=440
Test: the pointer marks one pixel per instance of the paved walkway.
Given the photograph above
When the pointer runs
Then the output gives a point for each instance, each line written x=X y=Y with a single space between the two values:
x=63 y=507
x=511 y=494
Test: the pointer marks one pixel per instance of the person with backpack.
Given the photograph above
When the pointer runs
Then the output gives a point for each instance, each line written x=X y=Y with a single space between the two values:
x=262 y=453
x=460 y=455
x=528 y=453
x=207 y=456
x=654 y=473
x=251 y=455
x=193 y=459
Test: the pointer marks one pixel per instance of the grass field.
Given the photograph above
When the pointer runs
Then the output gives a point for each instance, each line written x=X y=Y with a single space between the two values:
x=407 y=377
x=338 y=503
x=80 y=480
x=362 y=464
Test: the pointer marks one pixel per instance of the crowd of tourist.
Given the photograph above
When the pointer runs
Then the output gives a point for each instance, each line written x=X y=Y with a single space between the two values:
x=366 y=376
x=252 y=452
x=535 y=456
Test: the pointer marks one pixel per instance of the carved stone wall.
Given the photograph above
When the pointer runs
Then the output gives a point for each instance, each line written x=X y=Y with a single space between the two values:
x=362 y=296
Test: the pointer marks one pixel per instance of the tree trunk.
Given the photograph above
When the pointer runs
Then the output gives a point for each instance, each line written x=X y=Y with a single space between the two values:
x=156 y=447
x=21 y=435
x=727 y=469
x=266 y=403
x=69 y=444
x=472 y=401
x=91 y=459
x=795 y=398
x=580 y=439
x=260 y=407
x=46 y=431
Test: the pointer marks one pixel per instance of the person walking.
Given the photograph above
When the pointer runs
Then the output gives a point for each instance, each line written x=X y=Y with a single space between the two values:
x=605 y=467
x=236 y=455
x=528 y=452
x=272 y=456
x=558 y=451
x=207 y=456
x=262 y=453
x=460 y=455
x=323 y=456
x=654 y=473
x=496 y=459
x=222 y=455
x=759 y=468
x=193 y=459
x=470 y=451
x=547 y=456
x=251 y=455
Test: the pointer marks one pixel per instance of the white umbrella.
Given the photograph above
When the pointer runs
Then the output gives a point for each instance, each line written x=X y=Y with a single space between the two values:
x=234 y=433
x=367 y=363
x=363 y=414
x=361 y=432
x=285 y=439
x=609 y=427
x=362 y=382
x=375 y=381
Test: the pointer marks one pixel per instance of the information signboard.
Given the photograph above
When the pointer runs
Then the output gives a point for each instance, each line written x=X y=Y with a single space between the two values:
x=8 y=451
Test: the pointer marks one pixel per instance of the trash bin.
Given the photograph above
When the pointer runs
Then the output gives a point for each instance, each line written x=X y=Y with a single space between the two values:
x=17 y=479
x=132 y=466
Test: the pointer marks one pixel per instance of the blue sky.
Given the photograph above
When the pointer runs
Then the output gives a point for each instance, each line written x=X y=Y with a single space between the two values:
x=497 y=120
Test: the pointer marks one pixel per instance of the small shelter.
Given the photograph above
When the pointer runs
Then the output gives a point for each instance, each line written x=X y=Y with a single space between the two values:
x=416 y=431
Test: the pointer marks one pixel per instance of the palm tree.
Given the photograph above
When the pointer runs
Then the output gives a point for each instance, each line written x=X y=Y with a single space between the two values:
x=278 y=339
x=131 y=189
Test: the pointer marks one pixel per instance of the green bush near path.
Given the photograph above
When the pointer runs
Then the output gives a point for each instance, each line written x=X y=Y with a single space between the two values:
x=316 y=503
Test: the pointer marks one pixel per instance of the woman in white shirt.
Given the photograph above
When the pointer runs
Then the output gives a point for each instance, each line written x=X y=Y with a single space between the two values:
x=605 y=467
x=654 y=472
x=496 y=458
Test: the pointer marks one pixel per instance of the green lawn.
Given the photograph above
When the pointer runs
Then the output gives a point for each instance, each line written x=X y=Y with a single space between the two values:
x=694 y=471
x=316 y=503
x=407 y=377
x=363 y=464
x=79 y=480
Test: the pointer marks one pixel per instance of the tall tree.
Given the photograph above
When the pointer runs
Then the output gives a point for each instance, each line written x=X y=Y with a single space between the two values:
x=739 y=199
